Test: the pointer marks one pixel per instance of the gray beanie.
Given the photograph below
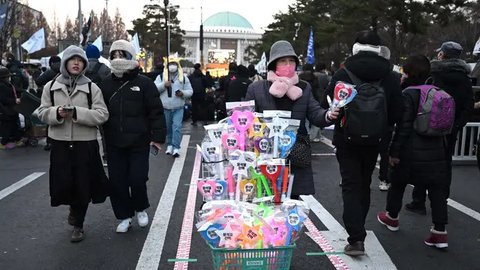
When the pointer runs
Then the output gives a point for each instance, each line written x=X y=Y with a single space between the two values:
x=123 y=45
x=279 y=49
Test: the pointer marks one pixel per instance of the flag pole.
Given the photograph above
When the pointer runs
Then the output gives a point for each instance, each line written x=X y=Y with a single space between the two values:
x=80 y=20
x=167 y=42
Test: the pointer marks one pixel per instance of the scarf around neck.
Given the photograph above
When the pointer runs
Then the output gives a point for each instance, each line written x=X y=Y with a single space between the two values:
x=282 y=86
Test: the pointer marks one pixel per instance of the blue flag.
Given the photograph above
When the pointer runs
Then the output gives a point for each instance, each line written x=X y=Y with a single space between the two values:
x=310 y=53
x=3 y=14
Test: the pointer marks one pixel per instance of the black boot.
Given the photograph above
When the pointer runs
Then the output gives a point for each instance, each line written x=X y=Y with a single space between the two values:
x=416 y=207
x=77 y=235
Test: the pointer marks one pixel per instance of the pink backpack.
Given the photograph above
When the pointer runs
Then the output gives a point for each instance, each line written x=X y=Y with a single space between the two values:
x=436 y=111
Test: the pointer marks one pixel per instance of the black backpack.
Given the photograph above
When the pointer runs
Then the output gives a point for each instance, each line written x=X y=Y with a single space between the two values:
x=366 y=119
x=93 y=75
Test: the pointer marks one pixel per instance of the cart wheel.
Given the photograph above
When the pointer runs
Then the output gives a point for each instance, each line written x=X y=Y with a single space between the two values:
x=33 y=142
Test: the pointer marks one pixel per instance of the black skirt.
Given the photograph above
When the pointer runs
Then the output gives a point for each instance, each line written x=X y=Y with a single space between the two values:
x=77 y=176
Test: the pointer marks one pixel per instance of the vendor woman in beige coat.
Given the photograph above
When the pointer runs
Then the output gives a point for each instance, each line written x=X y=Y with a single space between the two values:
x=73 y=107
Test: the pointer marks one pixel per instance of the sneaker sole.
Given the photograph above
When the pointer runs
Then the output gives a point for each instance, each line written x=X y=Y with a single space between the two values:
x=440 y=245
x=393 y=229
x=122 y=231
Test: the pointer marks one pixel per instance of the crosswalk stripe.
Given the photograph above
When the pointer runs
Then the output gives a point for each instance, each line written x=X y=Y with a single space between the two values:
x=17 y=185
x=153 y=246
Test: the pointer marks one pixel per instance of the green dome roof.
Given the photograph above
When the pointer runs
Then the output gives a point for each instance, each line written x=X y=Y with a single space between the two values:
x=227 y=19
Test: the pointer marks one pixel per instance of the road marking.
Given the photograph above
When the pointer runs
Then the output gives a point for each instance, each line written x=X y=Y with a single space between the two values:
x=153 y=246
x=324 y=154
x=185 y=240
x=16 y=186
x=462 y=208
x=321 y=241
x=376 y=256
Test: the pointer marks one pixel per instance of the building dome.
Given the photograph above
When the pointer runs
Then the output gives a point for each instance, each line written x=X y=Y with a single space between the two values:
x=227 y=22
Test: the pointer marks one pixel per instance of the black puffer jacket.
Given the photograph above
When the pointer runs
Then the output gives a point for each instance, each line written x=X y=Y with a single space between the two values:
x=7 y=101
x=422 y=158
x=306 y=107
x=136 y=112
x=451 y=75
x=369 y=67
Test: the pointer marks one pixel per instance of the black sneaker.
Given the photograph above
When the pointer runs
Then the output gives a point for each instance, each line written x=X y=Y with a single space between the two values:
x=77 y=235
x=355 y=249
x=417 y=208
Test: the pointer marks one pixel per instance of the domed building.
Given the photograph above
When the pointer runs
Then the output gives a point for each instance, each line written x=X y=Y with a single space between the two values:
x=226 y=35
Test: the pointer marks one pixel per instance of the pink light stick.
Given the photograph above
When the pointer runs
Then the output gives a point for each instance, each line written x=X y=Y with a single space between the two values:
x=230 y=183
x=242 y=121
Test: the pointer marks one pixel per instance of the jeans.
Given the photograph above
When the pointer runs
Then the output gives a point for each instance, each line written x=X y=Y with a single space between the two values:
x=174 y=119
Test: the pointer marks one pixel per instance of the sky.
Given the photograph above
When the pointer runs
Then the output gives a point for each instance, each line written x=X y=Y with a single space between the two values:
x=258 y=12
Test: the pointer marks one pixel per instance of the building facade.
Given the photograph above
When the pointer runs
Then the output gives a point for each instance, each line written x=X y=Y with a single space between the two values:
x=226 y=35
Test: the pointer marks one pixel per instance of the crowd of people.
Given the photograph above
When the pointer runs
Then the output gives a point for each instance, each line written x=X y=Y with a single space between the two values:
x=138 y=115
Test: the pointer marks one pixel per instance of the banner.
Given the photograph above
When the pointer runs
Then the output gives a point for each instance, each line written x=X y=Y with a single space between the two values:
x=310 y=52
x=476 y=48
x=136 y=43
x=36 y=42
x=261 y=67
x=98 y=43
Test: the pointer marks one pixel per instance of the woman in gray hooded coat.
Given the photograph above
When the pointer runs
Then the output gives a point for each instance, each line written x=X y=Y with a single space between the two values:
x=73 y=107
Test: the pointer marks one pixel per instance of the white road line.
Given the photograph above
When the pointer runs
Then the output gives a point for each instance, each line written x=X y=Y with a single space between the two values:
x=462 y=208
x=376 y=256
x=324 y=154
x=25 y=181
x=153 y=246
x=184 y=243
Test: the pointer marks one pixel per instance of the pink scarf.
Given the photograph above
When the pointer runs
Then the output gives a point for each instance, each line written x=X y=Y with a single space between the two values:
x=284 y=85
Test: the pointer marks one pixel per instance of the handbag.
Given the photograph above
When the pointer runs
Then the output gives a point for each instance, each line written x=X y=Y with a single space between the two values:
x=301 y=152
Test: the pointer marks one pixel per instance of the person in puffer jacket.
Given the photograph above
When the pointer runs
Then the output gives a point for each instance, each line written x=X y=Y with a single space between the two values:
x=72 y=107
x=174 y=89
x=136 y=122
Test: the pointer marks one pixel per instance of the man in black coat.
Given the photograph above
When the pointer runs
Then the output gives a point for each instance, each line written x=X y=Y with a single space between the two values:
x=357 y=162
x=238 y=88
x=199 y=84
x=449 y=73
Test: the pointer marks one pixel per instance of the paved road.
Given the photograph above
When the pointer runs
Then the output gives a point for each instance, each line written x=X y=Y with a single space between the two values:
x=36 y=236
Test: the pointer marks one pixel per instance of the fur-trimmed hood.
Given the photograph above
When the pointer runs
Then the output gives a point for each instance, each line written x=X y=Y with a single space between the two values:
x=450 y=65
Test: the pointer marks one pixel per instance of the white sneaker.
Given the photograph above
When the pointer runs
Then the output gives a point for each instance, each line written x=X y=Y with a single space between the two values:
x=169 y=150
x=176 y=152
x=124 y=225
x=142 y=218
x=383 y=186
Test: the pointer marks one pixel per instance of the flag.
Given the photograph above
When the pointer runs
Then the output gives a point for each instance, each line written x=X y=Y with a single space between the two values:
x=310 y=52
x=476 y=48
x=261 y=67
x=36 y=42
x=86 y=31
x=136 y=43
x=98 y=43
x=3 y=14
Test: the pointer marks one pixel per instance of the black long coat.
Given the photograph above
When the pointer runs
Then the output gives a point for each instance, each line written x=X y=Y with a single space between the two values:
x=422 y=158
x=306 y=107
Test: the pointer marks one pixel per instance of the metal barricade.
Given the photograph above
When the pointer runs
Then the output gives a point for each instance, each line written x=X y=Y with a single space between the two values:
x=466 y=143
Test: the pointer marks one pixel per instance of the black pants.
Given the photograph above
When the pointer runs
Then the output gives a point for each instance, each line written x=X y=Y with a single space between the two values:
x=128 y=171
x=9 y=131
x=78 y=213
x=419 y=194
x=356 y=167
x=198 y=109
x=385 y=143
x=436 y=194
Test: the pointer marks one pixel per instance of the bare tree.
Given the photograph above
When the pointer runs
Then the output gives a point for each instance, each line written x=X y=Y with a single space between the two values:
x=120 y=30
